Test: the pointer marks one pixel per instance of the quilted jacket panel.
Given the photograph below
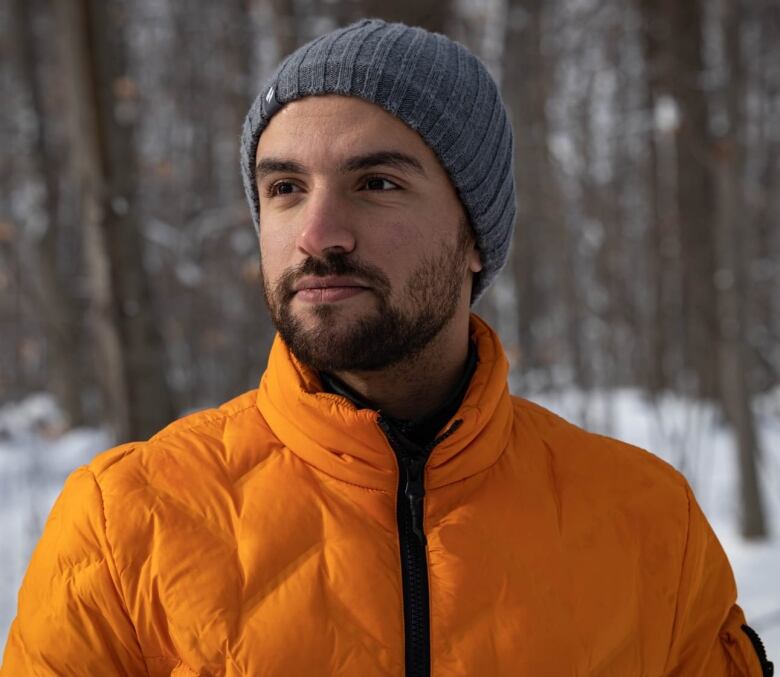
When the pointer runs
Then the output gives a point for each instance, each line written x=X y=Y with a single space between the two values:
x=260 y=538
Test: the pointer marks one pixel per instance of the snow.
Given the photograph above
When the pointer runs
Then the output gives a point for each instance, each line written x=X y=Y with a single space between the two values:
x=36 y=456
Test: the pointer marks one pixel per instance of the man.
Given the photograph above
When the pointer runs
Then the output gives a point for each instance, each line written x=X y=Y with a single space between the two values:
x=380 y=505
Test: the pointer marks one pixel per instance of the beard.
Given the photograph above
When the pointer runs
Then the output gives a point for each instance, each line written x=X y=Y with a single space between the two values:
x=382 y=337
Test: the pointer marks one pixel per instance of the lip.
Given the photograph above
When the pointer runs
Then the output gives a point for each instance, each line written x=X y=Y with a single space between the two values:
x=328 y=289
x=313 y=282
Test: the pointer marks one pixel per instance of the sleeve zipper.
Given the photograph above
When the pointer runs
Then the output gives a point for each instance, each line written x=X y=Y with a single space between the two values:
x=767 y=667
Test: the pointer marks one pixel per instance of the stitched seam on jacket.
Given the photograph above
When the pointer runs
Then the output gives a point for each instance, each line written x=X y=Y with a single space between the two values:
x=677 y=609
x=125 y=453
x=536 y=410
x=211 y=418
x=180 y=505
x=162 y=435
x=313 y=467
x=110 y=556
x=478 y=472
x=337 y=479
x=539 y=412
x=553 y=477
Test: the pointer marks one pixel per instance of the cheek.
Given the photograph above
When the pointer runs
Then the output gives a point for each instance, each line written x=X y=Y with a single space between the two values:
x=274 y=237
x=393 y=247
x=274 y=253
x=416 y=228
x=399 y=237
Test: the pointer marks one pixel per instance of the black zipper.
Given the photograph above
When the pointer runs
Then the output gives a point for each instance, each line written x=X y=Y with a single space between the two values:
x=410 y=513
x=767 y=668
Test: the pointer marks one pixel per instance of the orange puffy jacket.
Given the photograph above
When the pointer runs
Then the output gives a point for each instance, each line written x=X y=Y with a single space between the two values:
x=270 y=537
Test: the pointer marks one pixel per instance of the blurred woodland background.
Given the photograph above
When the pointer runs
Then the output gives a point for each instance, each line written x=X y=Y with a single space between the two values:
x=647 y=246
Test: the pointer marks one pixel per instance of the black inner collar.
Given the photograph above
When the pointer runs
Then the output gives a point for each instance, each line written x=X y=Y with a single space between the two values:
x=421 y=431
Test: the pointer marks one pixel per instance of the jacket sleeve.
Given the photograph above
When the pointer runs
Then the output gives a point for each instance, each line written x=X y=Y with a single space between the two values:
x=707 y=637
x=71 y=618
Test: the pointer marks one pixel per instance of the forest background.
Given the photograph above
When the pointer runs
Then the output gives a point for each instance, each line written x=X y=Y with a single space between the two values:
x=647 y=247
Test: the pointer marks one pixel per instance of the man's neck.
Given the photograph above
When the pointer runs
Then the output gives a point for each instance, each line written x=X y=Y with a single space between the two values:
x=417 y=387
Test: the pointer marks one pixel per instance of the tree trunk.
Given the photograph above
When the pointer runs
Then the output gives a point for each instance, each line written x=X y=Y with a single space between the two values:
x=542 y=261
x=434 y=15
x=522 y=84
x=695 y=194
x=48 y=291
x=285 y=27
x=661 y=228
x=732 y=280
x=127 y=337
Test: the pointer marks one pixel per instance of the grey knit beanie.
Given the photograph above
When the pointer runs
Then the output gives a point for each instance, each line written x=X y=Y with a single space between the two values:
x=434 y=85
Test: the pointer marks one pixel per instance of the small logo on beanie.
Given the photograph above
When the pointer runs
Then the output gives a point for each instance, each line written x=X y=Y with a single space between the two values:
x=270 y=103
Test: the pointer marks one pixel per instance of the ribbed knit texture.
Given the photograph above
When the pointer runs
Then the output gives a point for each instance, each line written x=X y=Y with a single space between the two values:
x=434 y=85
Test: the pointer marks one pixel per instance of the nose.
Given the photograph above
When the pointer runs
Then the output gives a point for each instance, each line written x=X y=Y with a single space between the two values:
x=326 y=225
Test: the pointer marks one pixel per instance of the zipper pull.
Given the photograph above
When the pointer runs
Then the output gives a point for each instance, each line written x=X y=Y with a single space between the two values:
x=414 y=492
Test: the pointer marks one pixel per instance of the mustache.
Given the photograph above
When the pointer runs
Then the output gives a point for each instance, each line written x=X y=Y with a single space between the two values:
x=333 y=264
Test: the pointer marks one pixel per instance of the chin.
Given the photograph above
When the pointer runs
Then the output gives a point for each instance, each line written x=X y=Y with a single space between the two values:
x=313 y=315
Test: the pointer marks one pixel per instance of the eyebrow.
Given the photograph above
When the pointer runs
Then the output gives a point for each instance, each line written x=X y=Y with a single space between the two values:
x=268 y=166
x=389 y=158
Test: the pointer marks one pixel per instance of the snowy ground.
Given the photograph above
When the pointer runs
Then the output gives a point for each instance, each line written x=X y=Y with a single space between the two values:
x=35 y=458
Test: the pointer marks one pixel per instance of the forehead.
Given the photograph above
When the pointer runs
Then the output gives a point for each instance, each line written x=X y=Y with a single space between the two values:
x=329 y=128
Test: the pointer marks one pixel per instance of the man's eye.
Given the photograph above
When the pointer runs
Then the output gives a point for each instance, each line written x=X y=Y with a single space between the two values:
x=281 y=188
x=378 y=183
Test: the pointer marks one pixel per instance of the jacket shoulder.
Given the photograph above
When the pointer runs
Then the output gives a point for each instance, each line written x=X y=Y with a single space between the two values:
x=181 y=488
x=208 y=439
x=602 y=461
x=206 y=421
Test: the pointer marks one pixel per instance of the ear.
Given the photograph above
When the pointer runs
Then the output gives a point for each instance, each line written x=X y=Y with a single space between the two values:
x=475 y=261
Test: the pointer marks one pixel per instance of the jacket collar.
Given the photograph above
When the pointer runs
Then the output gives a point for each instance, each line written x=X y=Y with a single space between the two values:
x=422 y=430
x=330 y=433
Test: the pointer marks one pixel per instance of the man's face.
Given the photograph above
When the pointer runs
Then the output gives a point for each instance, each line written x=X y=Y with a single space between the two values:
x=366 y=251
